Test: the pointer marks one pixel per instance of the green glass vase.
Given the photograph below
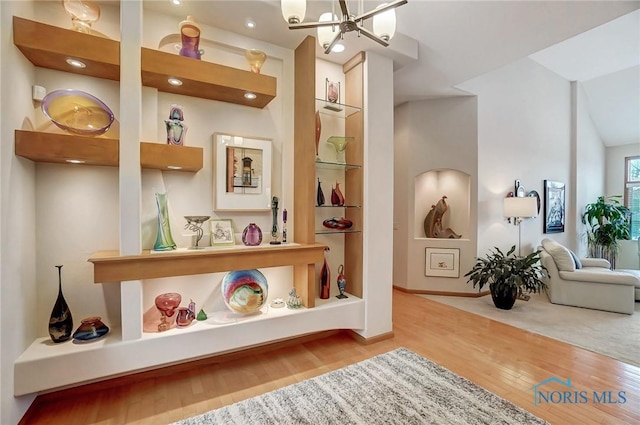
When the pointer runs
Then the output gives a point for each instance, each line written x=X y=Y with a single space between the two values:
x=164 y=240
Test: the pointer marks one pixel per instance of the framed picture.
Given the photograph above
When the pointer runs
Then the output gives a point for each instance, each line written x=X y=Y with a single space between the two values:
x=242 y=177
x=443 y=262
x=554 y=206
x=222 y=232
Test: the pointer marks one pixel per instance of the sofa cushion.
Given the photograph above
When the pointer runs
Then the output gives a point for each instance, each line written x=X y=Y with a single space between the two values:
x=561 y=255
x=576 y=260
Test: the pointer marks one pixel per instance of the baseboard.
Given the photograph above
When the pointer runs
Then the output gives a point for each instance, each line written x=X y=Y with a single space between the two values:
x=368 y=341
x=444 y=293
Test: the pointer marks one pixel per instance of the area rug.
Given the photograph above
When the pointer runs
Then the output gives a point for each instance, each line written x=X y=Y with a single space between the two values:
x=398 y=387
x=612 y=334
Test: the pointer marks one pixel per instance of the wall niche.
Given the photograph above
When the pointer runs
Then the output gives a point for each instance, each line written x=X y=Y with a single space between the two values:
x=430 y=187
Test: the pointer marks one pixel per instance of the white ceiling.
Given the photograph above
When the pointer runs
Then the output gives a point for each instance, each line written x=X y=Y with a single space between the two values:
x=440 y=44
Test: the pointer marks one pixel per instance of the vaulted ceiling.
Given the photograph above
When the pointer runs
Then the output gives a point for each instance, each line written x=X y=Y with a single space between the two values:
x=440 y=44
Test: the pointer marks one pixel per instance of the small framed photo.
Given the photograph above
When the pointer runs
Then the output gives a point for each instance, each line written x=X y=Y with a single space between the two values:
x=442 y=262
x=554 y=206
x=222 y=232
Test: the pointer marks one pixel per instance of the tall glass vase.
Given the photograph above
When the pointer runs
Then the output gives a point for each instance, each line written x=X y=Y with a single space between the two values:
x=164 y=240
x=61 y=321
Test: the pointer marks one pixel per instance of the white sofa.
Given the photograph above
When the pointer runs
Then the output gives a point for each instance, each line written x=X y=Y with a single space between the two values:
x=591 y=285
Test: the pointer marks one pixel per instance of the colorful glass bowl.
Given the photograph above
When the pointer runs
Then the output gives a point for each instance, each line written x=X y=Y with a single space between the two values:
x=90 y=329
x=245 y=291
x=77 y=112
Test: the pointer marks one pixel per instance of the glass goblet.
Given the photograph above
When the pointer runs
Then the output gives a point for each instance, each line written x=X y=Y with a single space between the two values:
x=167 y=304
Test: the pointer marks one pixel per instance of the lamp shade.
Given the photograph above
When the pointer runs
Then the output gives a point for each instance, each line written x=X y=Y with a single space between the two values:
x=384 y=24
x=293 y=10
x=521 y=207
x=326 y=34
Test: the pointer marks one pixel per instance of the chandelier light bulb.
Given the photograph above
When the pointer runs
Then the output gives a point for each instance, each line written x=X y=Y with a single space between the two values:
x=384 y=23
x=293 y=10
x=326 y=34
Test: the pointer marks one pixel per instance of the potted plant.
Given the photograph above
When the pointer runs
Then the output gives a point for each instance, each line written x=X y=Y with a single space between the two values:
x=608 y=222
x=508 y=275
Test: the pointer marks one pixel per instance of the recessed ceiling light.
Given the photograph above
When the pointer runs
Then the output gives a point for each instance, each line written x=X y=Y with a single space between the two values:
x=250 y=23
x=76 y=63
x=176 y=2
x=75 y=161
x=250 y=95
x=174 y=81
x=338 y=48
x=174 y=167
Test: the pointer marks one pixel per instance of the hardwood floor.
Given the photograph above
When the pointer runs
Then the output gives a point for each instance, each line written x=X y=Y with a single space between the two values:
x=503 y=359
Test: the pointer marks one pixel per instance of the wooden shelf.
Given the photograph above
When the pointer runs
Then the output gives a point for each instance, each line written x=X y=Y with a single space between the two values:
x=109 y=266
x=63 y=148
x=170 y=158
x=48 y=46
x=205 y=79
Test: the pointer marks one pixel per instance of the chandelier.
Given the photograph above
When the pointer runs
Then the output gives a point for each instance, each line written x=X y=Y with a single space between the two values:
x=331 y=28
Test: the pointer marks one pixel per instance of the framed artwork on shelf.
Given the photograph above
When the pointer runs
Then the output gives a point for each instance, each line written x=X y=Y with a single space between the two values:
x=554 y=206
x=222 y=232
x=242 y=177
x=442 y=262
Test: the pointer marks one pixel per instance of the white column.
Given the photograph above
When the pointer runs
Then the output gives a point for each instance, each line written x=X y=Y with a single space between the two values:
x=130 y=177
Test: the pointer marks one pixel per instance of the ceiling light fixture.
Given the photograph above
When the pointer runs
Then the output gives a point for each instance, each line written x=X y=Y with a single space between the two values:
x=174 y=167
x=384 y=22
x=250 y=23
x=174 y=81
x=76 y=63
x=75 y=161
x=338 y=48
x=250 y=95
x=176 y=2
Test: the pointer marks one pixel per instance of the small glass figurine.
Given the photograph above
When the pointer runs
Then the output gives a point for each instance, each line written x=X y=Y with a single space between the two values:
x=294 y=300
x=176 y=130
x=274 y=225
x=341 y=281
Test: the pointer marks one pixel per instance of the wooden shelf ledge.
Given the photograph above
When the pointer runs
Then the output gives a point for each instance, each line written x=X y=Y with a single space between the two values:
x=48 y=46
x=162 y=156
x=109 y=266
x=205 y=79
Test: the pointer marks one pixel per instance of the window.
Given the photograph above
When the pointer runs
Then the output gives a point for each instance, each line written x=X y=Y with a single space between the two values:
x=632 y=192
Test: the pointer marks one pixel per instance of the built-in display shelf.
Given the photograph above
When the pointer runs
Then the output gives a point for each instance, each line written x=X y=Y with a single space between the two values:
x=109 y=266
x=71 y=363
x=339 y=110
x=48 y=46
x=68 y=148
x=336 y=165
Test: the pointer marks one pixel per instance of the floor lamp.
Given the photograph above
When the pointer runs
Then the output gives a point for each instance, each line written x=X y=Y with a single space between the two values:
x=520 y=208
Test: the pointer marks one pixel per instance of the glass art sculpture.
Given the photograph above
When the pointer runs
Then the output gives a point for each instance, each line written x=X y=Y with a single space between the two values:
x=91 y=328
x=252 y=235
x=256 y=59
x=190 y=36
x=341 y=281
x=340 y=144
x=245 y=291
x=167 y=305
x=176 y=130
x=77 y=112
x=164 y=240
x=61 y=320
x=83 y=14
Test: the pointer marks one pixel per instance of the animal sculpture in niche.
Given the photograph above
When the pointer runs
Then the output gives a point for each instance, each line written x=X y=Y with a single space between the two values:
x=433 y=222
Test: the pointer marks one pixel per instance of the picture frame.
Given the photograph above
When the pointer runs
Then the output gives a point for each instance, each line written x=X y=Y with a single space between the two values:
x=554 y=206
x=221 y=232
x=442 y=262
x=242 y=177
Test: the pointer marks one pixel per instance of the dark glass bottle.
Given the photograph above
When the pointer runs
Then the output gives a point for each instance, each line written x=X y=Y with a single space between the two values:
x=61 y=321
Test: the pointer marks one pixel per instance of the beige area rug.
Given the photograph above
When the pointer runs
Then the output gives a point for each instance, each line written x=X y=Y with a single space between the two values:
x=612 y=334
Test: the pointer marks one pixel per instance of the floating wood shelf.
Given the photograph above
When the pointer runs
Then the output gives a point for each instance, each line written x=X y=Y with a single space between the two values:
x=48 y=46
x=64 y=148
x=109 y=266
x=169 y=157
x=205 y=79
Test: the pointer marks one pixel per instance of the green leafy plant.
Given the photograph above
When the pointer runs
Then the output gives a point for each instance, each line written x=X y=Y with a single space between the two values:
x=508 y=273
x=608 y=222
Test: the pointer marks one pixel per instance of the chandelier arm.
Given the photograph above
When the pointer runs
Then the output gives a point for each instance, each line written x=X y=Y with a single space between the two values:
x=343 y=8
x=381 y=9
x=362 y=30
x=307 y=25
x=337 y=38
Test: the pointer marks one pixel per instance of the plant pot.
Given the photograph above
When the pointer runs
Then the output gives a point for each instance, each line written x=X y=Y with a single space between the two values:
x=504 y=300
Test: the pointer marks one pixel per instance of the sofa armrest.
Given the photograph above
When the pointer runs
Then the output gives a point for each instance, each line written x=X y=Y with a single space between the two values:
x=604 y=277
x=595 y=262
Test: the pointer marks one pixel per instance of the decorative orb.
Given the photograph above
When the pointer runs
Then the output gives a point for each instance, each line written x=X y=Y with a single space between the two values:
x=245 y=291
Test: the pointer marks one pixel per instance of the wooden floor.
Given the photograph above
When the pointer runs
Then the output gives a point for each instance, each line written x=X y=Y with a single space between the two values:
x=501 y=358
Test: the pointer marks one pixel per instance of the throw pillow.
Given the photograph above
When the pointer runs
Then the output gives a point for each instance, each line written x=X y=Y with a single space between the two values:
x=576 y=260
x=560 y=254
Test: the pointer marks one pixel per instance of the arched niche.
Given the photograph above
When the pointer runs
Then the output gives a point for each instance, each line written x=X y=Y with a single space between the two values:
x=430 y=187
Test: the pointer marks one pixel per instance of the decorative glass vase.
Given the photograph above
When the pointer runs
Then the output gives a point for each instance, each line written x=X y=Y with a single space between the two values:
x=184 y=317
x=252 y=235
x=245 y=291
x=90 y=329
x=176 y=130
x=318 y=131
x=255 y=58
x=167 y=305
x=319 y=195
x=164 y=240
x=325 y=279
x=341 y=281
x=83 y=13
x=337 y=198
x=60 y=321
x=190 y=36
x=340 y=144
